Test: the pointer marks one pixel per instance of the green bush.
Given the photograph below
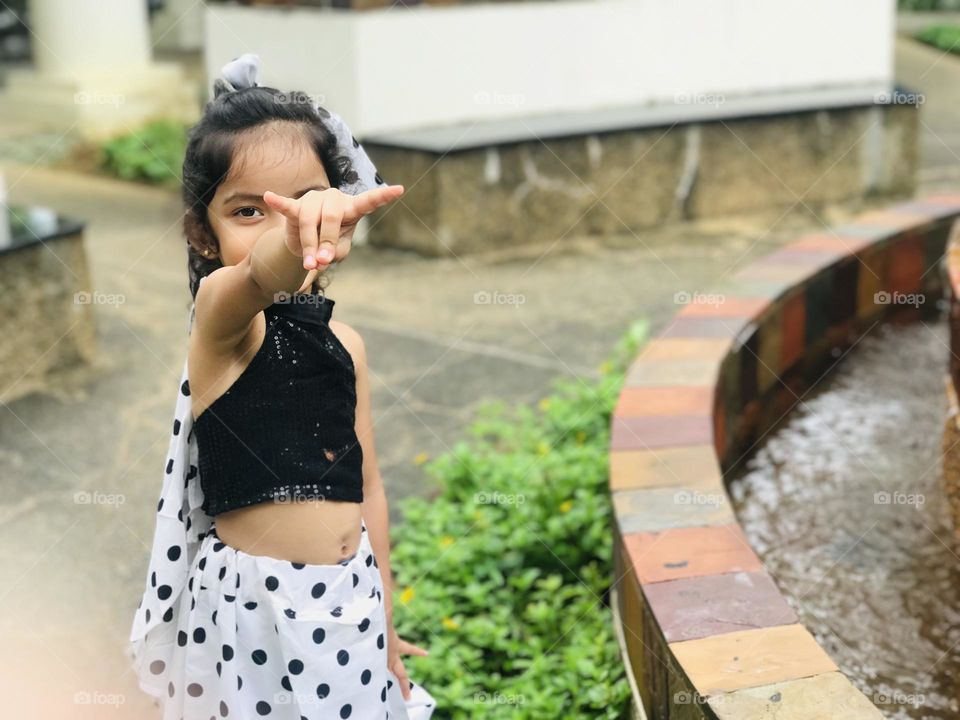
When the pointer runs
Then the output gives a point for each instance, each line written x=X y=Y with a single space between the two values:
x=944 y=37
x=153 y=153
x=929 y=4
x=504 y=577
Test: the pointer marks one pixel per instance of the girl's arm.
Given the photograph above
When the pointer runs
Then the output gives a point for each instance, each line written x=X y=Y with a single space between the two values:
x=231 y=296
x=375 y=512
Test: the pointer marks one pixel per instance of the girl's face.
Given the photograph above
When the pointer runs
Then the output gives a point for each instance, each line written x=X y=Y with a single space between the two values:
x=274 y=157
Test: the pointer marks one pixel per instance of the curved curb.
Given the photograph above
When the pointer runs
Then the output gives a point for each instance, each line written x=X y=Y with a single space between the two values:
x=707 y=632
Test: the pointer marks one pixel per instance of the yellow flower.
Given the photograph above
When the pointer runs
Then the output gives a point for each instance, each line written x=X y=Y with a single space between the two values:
x=407 y=595
x=421 y=459
x=543 y=448
x=566 y=505
x=450 y=623
x=581 y=436
x=446 y=541
x=605 y=366
x=477 y=515
x=544 y=403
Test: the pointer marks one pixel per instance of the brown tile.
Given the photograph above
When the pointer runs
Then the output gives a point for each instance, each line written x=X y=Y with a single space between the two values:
x=642 y=433
x=690 y=552
x=683 y=400
x=692 y=466
x=684 y=349
x=715 y=604
x=731 y=307
x=751 y=658
x=827 y=696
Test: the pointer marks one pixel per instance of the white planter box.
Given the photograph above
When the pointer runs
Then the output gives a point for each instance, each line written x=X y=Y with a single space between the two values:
x=405 y=68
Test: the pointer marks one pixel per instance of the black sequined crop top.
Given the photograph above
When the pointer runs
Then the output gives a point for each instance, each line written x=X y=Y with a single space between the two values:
x=284 y=430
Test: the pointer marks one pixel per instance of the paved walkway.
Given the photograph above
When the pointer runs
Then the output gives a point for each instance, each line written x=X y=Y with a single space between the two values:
x=73 y=573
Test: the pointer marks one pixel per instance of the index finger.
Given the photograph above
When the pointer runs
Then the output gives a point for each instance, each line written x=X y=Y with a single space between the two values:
x=366 y=202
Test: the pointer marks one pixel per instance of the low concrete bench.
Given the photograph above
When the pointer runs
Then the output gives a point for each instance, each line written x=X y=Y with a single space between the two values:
x=46 y=320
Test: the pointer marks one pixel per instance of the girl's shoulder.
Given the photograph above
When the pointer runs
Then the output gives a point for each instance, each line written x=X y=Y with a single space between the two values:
x=351 y=340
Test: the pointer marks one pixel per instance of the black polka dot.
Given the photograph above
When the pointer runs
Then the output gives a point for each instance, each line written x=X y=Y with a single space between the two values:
x=298 y=565
x=380 y=641
x=365 y=677
x=345 y=711
x=356 y=579
x=285 y=681
x=383 y=694
x=263 y=708
x=379 y=179
x=157 y=667
x=168 y=615
x=169 y=465
x=250 y=605
x=259 y=656
x=182 y=638
x=164 y=592
x=219 y=668
x=290 y=613
x=295 y=667
x=239 y=682
x=199 y=635
x=364 y=624
x=195 y=689
x=337 y=611
x=224 y=710
x=146 y=614
x=318 y=635
x=356 y=144
x=153 y=581
x=170 y=689
x=176 y=427
x=323 y=690
x=218 y=546
x=185 y=388
x=272 y=583
x=318 y=590
x=227 y=653
x=343 y=657
x=173 y=553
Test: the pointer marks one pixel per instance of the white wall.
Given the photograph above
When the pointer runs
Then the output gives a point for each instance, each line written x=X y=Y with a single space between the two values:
x=403 y=68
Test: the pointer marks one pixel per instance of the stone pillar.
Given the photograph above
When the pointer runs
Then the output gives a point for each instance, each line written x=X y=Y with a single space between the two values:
x=93 y=71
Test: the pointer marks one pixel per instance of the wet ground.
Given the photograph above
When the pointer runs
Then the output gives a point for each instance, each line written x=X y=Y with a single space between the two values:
x=844 y=505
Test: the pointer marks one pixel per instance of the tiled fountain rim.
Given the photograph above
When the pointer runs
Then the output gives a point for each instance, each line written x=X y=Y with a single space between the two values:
x=707 y=620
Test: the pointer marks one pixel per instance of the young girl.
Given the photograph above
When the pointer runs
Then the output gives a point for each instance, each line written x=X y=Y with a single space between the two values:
x=268 y=594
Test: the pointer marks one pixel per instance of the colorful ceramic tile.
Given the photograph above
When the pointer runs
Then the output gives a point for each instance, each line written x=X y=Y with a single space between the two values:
x=696 y=327
x=691 y=465
x=658 y=373
x=730 y=307
x=669 y=400
x=793 y=324
x=685 y=348
x=715 y=604
x=751 y=658
x=690 y=552
x=906 y=265
x=827 y=696
x=651 y=432
x=650 y=509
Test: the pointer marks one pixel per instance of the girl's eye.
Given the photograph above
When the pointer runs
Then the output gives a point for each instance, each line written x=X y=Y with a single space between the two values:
x=243 y=212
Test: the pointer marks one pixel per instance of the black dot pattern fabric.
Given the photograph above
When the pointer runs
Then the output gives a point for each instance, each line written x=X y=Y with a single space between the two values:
x=284 y=430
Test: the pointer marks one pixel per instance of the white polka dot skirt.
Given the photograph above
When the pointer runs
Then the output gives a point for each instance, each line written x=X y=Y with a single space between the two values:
x=259 y=637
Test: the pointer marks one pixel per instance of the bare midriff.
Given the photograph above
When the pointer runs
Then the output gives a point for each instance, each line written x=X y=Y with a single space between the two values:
x=312 y=531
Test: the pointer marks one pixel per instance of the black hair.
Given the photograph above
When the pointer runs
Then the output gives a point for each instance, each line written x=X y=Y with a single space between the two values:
x=211 y=145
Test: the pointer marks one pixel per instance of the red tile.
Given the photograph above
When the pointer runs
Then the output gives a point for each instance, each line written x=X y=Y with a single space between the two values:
x=714 y=604
x=690 y=552
x=793 y=336
x=638 y=433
